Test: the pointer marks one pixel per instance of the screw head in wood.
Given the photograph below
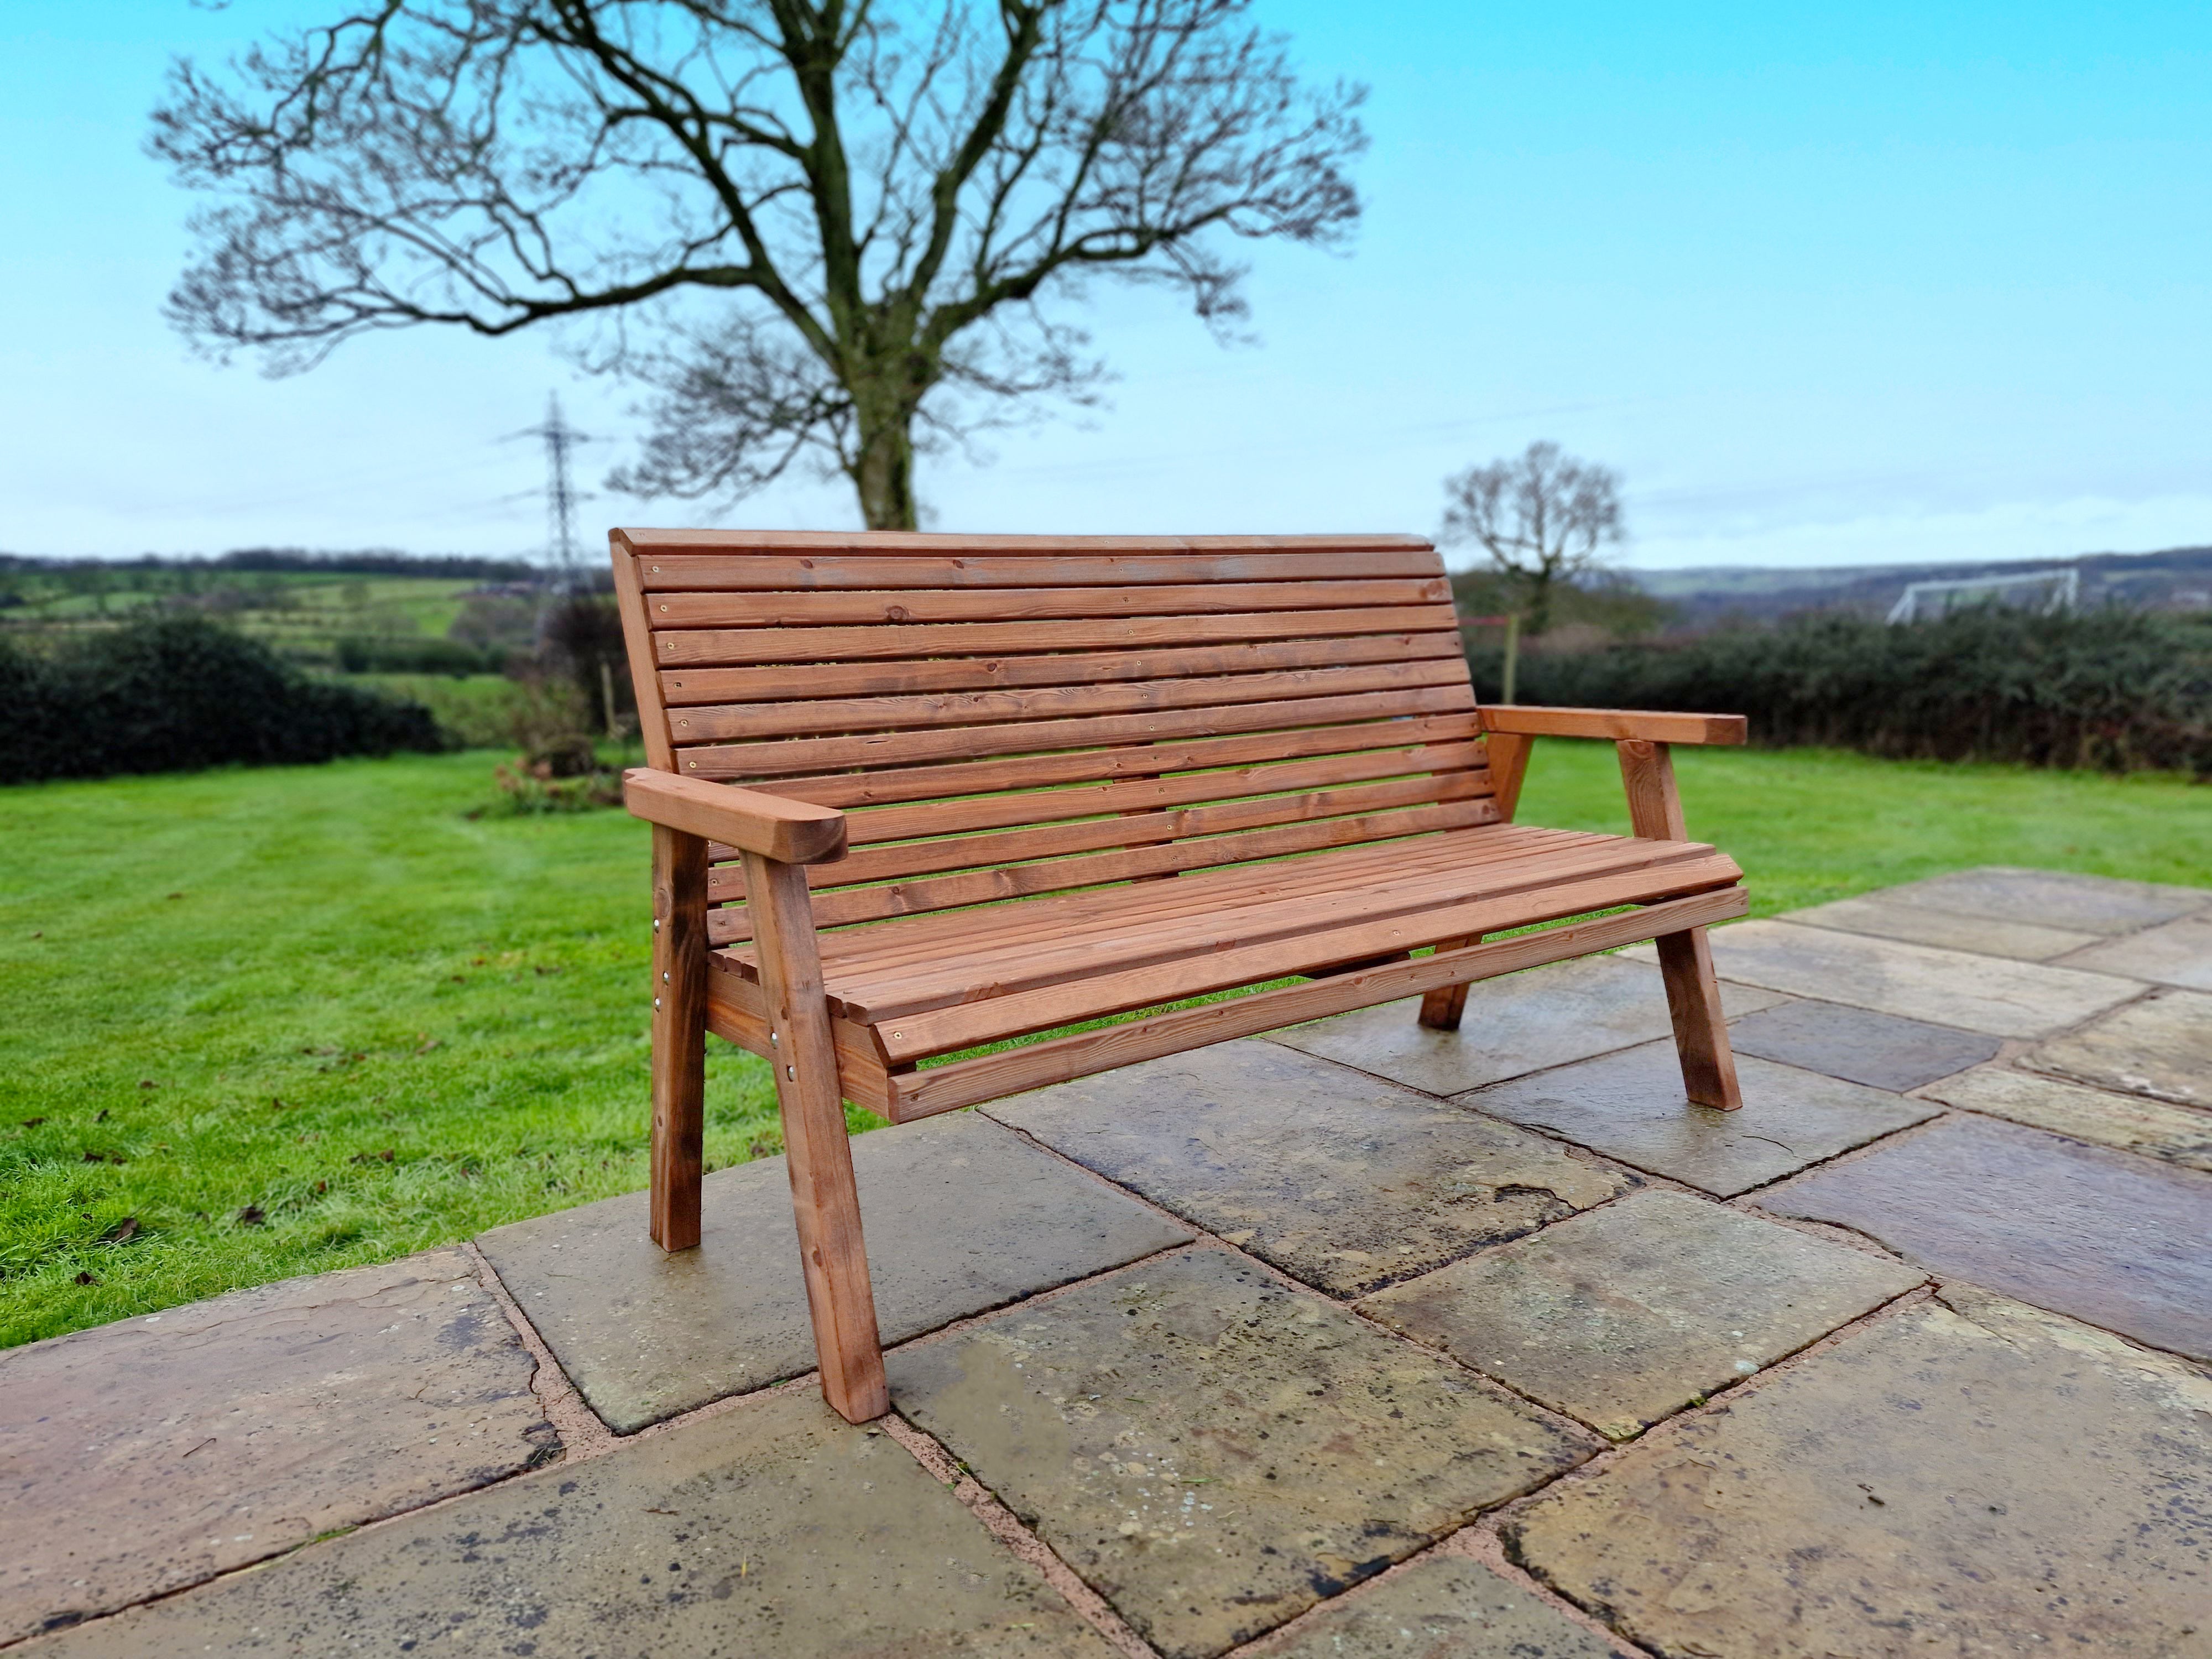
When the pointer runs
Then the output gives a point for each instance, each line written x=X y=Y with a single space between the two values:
x=664 y=977
x=656 y=1002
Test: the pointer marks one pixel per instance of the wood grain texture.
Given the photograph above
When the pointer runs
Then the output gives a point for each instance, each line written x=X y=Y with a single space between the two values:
x=1009 y=671
x=1444 y=1008
x=825 y=1203
x=1527 y=720
x=637 y=647
x=798 y=573
x=647 y=541
x=679 y=1036
x=792 y=831
x=832 y=608
x=1686 y=959
x=1509 y=766
x=966 y=1083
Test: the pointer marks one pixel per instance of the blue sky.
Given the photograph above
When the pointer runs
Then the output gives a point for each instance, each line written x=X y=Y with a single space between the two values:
x=1876 y=284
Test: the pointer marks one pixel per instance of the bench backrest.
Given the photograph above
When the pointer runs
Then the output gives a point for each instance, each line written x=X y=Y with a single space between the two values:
x=1012 y=715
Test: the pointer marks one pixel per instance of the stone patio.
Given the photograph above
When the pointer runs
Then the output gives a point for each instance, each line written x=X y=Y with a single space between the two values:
x=1356 y=1341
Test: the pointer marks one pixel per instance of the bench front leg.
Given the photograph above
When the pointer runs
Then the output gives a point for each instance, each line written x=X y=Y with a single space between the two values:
x=1686 y=959
x=825 y=1203
x=679 y=1034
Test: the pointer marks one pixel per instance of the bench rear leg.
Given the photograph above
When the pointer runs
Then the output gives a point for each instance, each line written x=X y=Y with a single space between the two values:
x=824 y=1201
x=679 y=1034
x=1443 y=1008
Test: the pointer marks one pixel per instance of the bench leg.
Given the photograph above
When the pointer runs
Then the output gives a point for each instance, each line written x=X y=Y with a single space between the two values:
x=1686 y=960
x=825 y=1203
x=1694 y=1003
x=1443 y=1008
x=679 y=1034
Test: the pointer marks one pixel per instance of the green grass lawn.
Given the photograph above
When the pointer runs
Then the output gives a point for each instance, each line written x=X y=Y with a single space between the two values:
x=268 y=1023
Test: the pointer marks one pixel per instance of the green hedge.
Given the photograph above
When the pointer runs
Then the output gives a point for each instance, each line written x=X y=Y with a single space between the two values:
x=368 y=654
x=180 y=694
x=2109 y=689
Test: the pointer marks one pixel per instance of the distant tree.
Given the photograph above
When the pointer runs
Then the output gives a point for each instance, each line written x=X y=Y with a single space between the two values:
x=818 y=229
x=1542 y=517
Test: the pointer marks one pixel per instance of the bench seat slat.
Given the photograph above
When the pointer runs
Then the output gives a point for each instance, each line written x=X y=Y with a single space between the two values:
x=874 y=989
x=799 y=717
x=737 y=647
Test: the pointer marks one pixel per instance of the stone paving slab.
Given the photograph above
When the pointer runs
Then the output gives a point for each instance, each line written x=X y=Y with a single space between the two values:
x=2160 y=1047
x=2173 y=953
x=153 y=1452
x=960 y=1216
x=1442 y=1607
x=2173 y=1134
x=1337 y=1178
x=1631 y=1106
x=2053 y=898
x=1628 y=1313
x=1515 y=1024
x=1983 y=1482
x=1885 y=916
x=1914 y=981
x=2118 y=1240
x=1215 y=1452
x=776 y=1529
x=1860 y=1046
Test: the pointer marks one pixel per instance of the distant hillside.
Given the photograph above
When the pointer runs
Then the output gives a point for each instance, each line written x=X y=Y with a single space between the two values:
x=2179 y=579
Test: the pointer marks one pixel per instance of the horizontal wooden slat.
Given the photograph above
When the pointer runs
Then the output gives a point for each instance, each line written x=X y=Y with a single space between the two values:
x=917 y=783
x=1001 y=604
x=769 y=573
x=887 y=987
x=835 y=907
x=914 y=1037
x=736 y=646
x=681 y=687
x=968 y=1083
x=649 y=542
x=737 y=1012
x=810 y=717
x=967 y=814
x=779 y=757
x=1618 y=724
x=1031 y=841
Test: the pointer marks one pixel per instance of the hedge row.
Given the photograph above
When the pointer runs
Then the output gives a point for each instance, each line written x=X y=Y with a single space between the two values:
x=2109 y=689
x=179 y=694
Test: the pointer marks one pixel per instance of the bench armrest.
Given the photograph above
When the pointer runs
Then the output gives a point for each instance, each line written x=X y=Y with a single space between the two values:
x=788 y=831
x=1619 y=725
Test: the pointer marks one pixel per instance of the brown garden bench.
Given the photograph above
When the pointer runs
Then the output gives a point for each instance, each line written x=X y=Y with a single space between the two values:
x=914 y=796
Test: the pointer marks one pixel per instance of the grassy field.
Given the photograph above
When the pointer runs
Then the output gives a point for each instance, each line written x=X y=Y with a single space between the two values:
x=268 y=1023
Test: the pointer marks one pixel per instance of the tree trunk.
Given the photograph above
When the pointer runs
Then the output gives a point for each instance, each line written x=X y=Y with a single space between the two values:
x=883 y=475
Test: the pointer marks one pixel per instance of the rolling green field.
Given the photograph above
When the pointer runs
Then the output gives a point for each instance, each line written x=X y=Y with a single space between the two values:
x=268 y=1022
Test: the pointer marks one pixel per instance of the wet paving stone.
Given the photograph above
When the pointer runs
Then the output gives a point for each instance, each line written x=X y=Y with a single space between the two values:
x=1624 y=1315
x=1860 y=1046
x=1883 y=916
x=1987 y=1481
x=155 y=1453
x=2052 y=898
x=2118 y=1240
x=1215 y=1452
x=960 y=1216
x=2173 y=1134
x=1442 y=1607
x=1339 y=1180
x=1515 y=1024
x=1971 y=992
x=2160 y=1047
x=2176 y=953
x=776 y=1529
x=1631 y=1106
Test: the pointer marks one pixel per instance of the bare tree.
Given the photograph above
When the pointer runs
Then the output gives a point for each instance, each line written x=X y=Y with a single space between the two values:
x=815 y=230
x=1542 y=517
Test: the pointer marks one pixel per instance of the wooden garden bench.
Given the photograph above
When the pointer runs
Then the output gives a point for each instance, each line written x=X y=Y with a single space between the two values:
x=915 y=795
